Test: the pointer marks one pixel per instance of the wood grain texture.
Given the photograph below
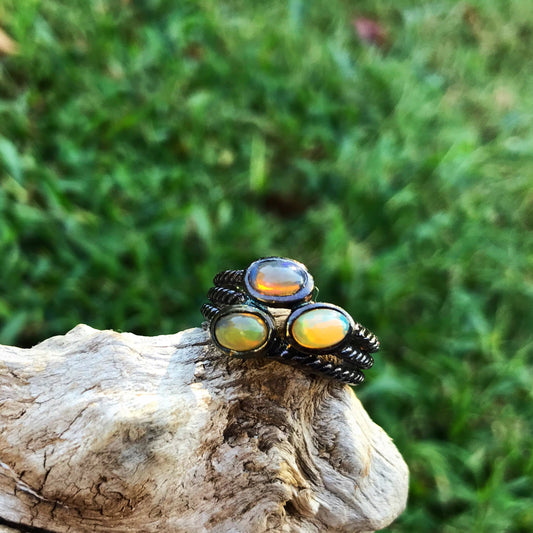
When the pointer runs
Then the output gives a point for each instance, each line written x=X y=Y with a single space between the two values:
x=104 y=431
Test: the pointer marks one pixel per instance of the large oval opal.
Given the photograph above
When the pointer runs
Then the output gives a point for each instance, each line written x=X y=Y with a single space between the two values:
x=278 y=277
x=320 y=328
x=241 y=332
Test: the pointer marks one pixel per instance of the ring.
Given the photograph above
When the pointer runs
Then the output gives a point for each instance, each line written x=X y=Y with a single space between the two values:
x=273 y=281
x=321 y=337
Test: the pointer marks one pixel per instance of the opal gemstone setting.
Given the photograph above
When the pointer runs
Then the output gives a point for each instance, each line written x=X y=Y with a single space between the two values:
x=241 y=331
x=320 y=328
x=278 y=278
x=278 y=281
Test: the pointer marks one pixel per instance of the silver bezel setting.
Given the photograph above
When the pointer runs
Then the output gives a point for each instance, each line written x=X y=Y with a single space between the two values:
x=302 y=295
x=239 y=309
x=308 y=307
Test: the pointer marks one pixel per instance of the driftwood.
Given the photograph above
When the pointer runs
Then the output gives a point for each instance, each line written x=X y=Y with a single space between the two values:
x=113 y=432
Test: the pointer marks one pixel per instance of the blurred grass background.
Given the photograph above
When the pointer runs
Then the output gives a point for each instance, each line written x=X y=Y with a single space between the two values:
x=145 y=145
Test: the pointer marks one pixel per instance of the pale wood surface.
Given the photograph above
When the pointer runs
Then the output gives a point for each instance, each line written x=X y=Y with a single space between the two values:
x=104 y=431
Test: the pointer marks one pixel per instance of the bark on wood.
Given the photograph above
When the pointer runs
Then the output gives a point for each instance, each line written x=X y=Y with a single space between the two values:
x=104 y=431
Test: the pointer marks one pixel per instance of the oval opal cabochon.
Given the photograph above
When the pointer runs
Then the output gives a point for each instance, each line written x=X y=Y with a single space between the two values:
x=320 y=328
x=278 y=277
x=241 y=332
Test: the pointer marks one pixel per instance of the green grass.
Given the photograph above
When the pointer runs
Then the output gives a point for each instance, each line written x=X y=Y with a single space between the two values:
x=146 y=145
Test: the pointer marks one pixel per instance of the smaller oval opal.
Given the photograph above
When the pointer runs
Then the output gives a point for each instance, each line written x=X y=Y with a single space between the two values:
x=320 y=328
x=241 y=332
x=278 y=277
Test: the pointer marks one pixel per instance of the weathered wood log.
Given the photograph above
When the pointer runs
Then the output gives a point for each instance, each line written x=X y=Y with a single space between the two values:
x=104 y=431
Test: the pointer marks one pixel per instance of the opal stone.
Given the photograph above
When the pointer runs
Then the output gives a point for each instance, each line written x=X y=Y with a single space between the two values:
x=278 y=277
x=320 y=328
x=241 y=332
